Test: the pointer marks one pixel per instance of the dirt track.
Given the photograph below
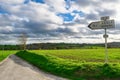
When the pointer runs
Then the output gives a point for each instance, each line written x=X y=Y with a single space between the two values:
x=14 y=68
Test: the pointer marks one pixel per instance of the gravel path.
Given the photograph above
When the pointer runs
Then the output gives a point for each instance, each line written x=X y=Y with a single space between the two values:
x=14 y=68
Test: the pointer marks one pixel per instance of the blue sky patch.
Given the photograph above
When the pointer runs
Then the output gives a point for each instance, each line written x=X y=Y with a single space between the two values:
x=68 y=4
x=73 y=0
x=79 y=12
x=2 y=11
x=38 y=1
x=66 y=16
x=26 y=1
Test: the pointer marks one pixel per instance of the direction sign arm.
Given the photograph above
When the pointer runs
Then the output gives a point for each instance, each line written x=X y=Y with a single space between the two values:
x=89 y=25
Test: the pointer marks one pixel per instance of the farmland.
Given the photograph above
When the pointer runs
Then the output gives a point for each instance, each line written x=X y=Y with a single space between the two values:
x=74 y=64
x=83 y=55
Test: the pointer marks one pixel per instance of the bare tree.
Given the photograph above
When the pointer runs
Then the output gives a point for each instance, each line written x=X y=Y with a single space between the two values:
x=23 y=41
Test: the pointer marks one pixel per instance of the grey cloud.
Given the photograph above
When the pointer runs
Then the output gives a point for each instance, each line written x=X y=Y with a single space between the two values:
x=84 y=2
x=92 y=16
x=115 y=30
x=112 y=1
x=78 y=37
x=106 y=12
x=83 y=37
x=69 y=24
x=66 y=30
x=97 y=9
x=38 y=26
x=86 y=31
x=4 y=20
x=80 y=21
x=76 y=21
x=117 y=25
x=93 y=37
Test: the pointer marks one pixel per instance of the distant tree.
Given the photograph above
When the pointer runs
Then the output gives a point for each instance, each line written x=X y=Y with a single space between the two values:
x=23 y=41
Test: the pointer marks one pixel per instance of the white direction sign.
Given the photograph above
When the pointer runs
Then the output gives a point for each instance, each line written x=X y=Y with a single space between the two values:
x=102 y=24
x=105 y=23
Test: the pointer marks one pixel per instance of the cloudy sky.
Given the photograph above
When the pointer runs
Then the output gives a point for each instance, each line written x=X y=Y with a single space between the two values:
x=57 y=20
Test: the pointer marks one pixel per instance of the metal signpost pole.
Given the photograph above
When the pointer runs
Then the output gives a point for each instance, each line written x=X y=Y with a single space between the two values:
x=106 y=51
x=105 y=24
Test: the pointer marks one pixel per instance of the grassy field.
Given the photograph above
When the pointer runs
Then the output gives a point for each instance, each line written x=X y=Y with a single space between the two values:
x=83 y=55
x=76 y=64
x=76 y=55
x=4 y=54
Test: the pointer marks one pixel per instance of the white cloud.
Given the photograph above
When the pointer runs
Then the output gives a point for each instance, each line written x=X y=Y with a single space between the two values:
x=12 y=1
x=57 y=5
x=41 y=20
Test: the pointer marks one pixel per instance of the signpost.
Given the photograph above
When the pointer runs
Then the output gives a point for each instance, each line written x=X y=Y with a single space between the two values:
x=102 y=24
x=105 y=24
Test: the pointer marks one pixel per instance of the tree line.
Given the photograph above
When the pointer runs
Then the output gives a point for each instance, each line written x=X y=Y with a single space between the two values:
x=39 y=46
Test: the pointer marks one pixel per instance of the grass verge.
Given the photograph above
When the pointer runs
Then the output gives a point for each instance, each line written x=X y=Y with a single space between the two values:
x=4 y=54
x=71 y=70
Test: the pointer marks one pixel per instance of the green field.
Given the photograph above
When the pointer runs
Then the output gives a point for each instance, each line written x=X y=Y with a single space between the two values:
x=4 y=54
x=83 y=55
x=76 y=55
x=74 y=64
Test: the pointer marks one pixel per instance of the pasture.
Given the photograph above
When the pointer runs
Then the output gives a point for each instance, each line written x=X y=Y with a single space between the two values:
x=74 y=64
x=83 y=55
